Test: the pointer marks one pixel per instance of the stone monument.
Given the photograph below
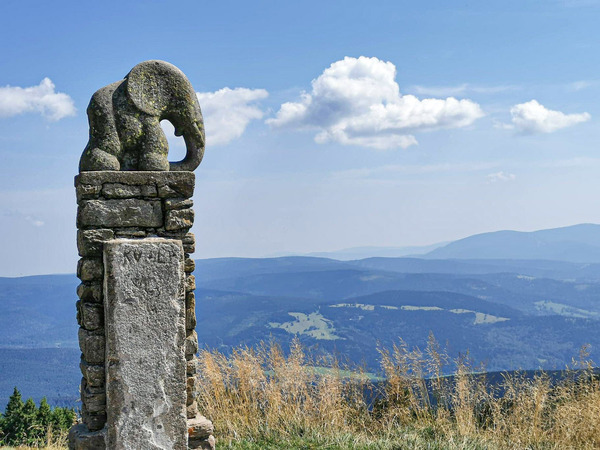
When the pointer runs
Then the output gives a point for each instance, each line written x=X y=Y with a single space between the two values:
x=136 y=307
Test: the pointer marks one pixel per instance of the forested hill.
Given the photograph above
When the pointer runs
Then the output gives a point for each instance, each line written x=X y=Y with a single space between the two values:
x=522 y=313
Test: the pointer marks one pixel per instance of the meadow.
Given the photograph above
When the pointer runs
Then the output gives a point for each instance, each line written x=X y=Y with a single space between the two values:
x=266 y=397
x=263 y=398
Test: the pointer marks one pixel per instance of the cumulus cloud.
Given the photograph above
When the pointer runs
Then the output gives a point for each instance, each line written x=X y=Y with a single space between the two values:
x=227 y=112
x=356 y=101
x=532 y=117
x=501 y=177
x=43 y=99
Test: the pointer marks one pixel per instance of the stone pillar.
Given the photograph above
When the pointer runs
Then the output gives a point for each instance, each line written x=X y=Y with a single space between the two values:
x=115 y=207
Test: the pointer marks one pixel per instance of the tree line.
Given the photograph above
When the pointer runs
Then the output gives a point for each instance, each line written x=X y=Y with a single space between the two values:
x=24 y=423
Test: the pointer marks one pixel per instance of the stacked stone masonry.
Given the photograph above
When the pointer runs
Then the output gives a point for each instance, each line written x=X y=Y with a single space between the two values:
x=121 y=204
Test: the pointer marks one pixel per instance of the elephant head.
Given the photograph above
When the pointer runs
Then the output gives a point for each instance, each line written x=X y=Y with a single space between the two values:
x=124 y=118
x=160 y=89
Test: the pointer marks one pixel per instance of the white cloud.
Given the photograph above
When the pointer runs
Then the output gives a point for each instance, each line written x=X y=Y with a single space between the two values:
x=30 y=219
x=501 y=176
x=461 y=89
x=35 y=222
x=532 y=117
x=395 y=170
x=356 y=101
x=15 y=100
x=581 y=85
x=227 y=112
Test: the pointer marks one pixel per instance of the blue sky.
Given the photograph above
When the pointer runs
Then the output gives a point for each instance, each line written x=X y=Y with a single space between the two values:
x=329 y=124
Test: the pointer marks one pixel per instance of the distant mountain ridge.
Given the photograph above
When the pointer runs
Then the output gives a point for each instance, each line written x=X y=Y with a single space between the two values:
x=354 y=253
x=576 y=243
x=504 y=297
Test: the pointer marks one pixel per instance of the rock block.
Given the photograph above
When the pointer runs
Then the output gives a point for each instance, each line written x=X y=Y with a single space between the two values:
x=89 y=269
x=113 y=213
x=179 y=219
x=89 y=242
x=93 y=397
x=92 y=346
x=93 y=373
x=177 y=181
x=192 y=410
x=191 y=343
x=190 y=283
x=92 y=315
x=178 y=203
x=190 y=319
x=189 y=265
x=90 y=292
x=145 y=341
x=190 y=300
x=119 y=190
x=189 y=243
x=192 y=367
x=203 y=444
x=93 y=421
x=81 y=438
x=86 y=191
x=200 y=427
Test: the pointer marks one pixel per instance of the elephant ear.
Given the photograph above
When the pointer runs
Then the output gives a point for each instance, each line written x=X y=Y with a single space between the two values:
x=155 y=86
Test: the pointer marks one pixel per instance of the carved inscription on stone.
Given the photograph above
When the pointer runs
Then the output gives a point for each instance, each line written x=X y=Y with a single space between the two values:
x=145 y=339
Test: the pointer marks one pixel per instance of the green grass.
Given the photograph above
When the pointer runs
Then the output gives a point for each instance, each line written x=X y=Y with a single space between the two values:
x=409 y=440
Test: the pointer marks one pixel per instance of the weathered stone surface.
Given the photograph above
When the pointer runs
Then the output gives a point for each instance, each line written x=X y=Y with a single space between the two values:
x=191 y=390
x=179 y=180
x=129 y=212
x=145 y=329
x=90 y=292
x=93 y=397
x=165 y=191
x=120 y=190
x=191 y=367
x=190 y=300
x=190 y=319
x=200 y=427
x=180 y=187
x=89 y=242
x=190 y=283
x=92 y=346
x=132 y=232
x=93 y=373
x=179 y=219
x=92 y=315
x=86 y=191
x=191 y=343
x=203 y=444
x=189 y=265
x=94 y=421
x=192 y=410
x=178 y=203
x=189 y=243
x=89 y=269
x=81 y=438
x=124 y=117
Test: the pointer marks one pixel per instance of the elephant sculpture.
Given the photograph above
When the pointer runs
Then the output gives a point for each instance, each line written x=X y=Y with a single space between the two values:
x=124 y=119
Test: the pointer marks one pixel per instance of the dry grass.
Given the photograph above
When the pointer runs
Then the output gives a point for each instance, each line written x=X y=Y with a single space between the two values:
x=53 y=441
x=261 y=398
x=264 y=399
